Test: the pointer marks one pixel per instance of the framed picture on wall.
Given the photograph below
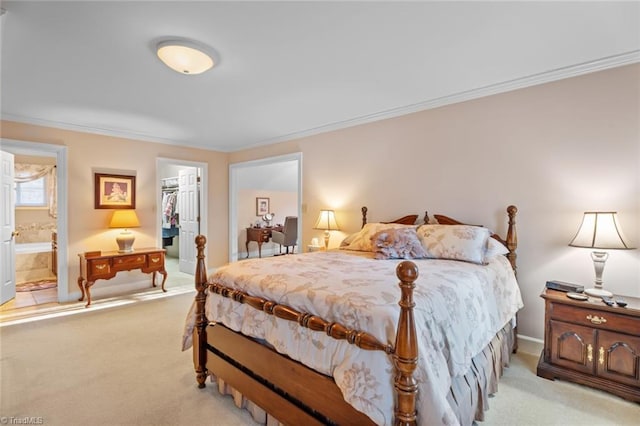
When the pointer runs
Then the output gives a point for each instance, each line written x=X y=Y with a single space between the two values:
x=262 y=206
x=114 y=191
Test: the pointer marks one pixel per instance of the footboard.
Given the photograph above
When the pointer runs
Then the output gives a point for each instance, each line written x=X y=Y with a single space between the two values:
x=404 y=352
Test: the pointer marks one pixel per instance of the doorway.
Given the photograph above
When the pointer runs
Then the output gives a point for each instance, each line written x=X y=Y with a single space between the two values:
x=260 y=178
x=55 y=258
x=182 y=211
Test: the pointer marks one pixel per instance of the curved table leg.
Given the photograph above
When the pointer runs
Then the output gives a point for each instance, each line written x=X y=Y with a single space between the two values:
x=164 y=279
x=87 y=286
x=81 y=285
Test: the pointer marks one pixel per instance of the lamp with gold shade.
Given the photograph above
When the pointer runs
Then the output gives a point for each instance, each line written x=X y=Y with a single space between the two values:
x=327 y=222
x=599 y=230
x=124 y=219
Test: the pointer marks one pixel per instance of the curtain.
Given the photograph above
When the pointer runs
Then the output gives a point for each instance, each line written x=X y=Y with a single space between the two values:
x=28 y=172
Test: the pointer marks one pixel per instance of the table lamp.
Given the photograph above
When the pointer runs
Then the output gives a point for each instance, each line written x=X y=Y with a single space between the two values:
x=327 y=222
x=124 y=219
x=599 y=230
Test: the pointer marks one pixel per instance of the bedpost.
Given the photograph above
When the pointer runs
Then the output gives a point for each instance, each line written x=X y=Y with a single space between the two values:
x=405 y=356
x=512 y=245
x=200 y=339
x=364 y=216
x=512 y=237
x=426 y=217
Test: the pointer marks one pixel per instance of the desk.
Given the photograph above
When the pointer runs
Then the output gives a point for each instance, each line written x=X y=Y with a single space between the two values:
x=105 y=265
x=260 y=236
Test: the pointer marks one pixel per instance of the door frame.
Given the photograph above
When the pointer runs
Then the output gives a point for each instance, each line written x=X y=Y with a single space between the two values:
x=19 y=147
x=234 y=169
x=203 y=193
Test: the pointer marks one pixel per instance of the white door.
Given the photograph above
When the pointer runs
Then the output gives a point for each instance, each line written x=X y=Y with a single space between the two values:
x=7 y=227
x=189 y=217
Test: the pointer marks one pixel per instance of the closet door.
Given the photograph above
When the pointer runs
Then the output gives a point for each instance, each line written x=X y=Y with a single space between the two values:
x=189 y=214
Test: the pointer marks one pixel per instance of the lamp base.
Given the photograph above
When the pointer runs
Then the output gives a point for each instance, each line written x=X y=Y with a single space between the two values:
x=598 y=292
x=125 y=242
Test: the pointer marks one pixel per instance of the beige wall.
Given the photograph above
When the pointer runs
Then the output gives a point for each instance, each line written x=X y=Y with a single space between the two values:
x=554 y=150
x=88 y=227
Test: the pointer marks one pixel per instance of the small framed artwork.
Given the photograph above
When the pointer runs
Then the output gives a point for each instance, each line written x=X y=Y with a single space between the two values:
x=262 y=206
x=115 y=191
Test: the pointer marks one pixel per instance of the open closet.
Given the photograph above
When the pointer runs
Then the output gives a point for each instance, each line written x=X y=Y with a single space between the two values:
x=169 y=211
x=179 y=209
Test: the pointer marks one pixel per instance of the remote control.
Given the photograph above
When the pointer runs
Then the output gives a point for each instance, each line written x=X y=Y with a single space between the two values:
x=621 y=302
x=608 y=300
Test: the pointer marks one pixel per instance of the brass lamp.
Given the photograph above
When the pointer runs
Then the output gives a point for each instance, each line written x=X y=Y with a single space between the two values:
x=124 y=219
x=599 y=230
x=327 y=222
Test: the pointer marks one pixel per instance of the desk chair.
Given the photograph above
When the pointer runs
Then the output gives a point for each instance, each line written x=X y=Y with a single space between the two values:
x=289 y=235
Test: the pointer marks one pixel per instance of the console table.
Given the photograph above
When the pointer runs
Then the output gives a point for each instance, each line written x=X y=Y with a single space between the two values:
x=260 y=236
x=105 y=265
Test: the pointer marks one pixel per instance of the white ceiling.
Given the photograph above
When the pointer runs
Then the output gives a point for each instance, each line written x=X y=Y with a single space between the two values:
x=289 y=69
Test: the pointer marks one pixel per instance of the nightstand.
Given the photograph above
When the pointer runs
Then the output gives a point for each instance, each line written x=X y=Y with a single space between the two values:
x=592 y=344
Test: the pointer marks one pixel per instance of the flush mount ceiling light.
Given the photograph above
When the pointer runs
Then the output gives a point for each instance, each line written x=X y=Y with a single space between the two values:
x=184 y=56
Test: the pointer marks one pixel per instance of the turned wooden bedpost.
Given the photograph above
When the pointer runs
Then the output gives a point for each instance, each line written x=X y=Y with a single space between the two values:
x=512 y=237
x=405 y=357
x=512 y=245
x=364 y=216
x=200 y=338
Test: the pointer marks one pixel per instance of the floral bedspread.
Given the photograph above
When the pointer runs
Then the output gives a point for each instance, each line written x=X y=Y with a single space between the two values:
x=459 y=308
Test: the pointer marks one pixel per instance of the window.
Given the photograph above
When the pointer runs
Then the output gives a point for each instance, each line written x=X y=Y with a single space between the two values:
x=32 y=194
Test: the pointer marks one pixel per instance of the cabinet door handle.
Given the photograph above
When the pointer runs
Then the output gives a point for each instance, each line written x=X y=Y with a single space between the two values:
x=596 y=319
x=601 y=355
x=155 y=259
x=590 y=352
x=100 y=267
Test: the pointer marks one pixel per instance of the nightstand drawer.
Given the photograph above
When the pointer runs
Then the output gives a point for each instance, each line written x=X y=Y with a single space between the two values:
x=99 y=267
x=156 y=261
x=595 y=318
x=125 y=263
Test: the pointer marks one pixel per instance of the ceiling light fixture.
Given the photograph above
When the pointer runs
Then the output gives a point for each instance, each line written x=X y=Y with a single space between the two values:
x=184 y=56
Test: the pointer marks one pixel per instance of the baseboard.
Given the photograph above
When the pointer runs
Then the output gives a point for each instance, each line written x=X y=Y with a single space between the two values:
x=530 y=345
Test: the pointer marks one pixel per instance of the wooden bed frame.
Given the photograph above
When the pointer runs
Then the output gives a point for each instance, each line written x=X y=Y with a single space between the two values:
x=288 y=390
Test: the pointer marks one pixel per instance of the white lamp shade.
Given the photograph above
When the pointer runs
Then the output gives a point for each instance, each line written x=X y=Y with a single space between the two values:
x=327 y=221
x=600 y=230
x=184 y=57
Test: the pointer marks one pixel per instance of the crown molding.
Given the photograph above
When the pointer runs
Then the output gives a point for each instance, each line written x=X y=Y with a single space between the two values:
x=601 y=64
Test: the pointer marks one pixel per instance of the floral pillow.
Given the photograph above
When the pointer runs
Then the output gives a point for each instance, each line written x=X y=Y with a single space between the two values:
x=398 y=243
x=362 y=240
x=455 y=242
x=494 y=248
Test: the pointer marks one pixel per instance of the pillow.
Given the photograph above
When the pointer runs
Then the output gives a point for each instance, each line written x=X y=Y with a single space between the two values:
x=397 y=243
x=348 y=240
x=455 y=242
x=494 y=248
x=362 y=240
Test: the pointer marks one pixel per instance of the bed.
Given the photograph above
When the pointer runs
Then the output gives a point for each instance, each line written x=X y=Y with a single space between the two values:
x=327 y=338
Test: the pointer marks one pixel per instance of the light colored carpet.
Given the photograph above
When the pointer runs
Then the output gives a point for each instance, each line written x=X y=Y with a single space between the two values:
x=123 y=366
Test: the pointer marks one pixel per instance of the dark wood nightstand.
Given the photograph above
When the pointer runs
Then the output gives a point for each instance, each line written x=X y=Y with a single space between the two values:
x=592 y=344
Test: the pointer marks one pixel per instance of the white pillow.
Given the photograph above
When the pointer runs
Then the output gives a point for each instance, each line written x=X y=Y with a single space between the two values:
x=454 y=242
x=362 y=240
x=494 y=248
